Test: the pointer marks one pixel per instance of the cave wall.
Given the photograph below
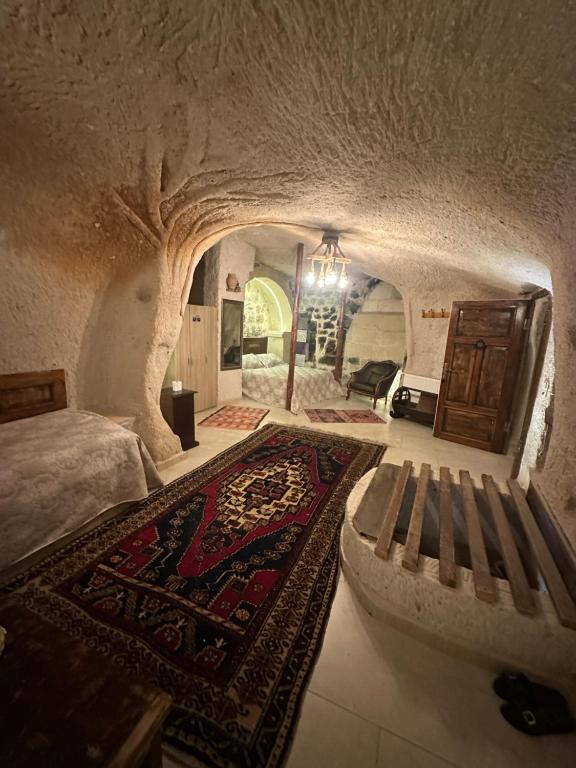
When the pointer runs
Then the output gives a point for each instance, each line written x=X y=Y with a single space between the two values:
x=377 y=331
x=46 y=310
x=134 y=137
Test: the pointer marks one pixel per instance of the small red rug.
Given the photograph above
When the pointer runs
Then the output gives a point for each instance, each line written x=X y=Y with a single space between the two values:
x=235 y=417
x=329 y=415
x=216 y=588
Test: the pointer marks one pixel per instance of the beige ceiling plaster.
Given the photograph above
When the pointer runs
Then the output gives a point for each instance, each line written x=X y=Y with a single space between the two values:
x=438 y=137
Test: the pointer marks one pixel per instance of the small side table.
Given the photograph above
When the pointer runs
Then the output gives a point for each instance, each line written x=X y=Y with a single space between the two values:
x=178 y=410
x=64 y=705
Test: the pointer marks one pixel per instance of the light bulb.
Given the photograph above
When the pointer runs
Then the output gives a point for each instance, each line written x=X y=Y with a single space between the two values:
x=331 y=278
x=310 y=277
x=343 y=282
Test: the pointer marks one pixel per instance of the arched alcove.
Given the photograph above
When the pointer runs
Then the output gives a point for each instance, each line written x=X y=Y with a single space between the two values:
x=267 y=312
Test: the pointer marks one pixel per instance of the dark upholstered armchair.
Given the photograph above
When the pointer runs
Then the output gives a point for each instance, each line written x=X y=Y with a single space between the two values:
x=373 y=379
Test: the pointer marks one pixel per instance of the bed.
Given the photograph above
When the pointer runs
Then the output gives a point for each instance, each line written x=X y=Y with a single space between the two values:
x=59 y=467
x=265 y=378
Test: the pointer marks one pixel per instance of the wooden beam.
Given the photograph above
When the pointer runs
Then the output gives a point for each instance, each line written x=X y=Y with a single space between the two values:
x=294 y=333
x=483 y=581
x=521 y=592
x=447 y=566
x=412 y=547
x=391 y=515
x=536 y=374
x=340 y=337
x=565 y=607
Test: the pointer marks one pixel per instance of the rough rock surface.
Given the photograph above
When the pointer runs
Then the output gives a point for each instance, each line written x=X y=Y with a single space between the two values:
x=438 y=136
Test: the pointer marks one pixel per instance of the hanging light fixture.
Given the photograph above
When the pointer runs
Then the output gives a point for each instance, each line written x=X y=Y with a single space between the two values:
x=328 y=255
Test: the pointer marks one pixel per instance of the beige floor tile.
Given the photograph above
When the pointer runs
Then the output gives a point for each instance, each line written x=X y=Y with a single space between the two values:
x=394 y=752
x=439 y=702
x=328 y=735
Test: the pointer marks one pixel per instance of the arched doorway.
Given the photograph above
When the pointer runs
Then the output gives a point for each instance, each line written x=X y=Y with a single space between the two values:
x=267 y=313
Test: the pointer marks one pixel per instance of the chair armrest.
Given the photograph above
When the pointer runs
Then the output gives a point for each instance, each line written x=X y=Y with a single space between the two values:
x=384 y=382
x=352 y=378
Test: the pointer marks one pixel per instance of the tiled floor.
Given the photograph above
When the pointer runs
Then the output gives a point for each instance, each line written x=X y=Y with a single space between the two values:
x=379 y=697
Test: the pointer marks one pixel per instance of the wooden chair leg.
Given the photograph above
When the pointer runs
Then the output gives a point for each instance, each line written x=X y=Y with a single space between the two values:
x=347 y=394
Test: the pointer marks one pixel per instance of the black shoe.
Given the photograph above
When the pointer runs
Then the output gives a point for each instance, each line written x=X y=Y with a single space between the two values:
x=538 y=721
x=518 y=689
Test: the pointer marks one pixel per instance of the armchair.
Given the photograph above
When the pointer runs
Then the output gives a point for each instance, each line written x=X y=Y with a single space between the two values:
x=373 y=379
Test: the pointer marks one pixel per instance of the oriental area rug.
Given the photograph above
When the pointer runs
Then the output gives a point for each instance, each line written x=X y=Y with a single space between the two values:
x=235 y=417
x=330 y=415
x=216 y=588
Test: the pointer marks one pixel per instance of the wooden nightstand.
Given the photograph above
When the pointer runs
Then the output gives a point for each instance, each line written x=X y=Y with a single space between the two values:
x=62 y=704
x=178 y=410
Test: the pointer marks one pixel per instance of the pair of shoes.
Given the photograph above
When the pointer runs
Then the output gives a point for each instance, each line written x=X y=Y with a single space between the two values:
x=532 y=708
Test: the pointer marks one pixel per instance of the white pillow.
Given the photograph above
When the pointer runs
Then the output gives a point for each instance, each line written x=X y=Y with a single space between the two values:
x=249 y=362
x=269 y=360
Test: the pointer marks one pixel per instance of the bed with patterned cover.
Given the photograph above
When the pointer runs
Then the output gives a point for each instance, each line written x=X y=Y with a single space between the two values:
x=265 y=377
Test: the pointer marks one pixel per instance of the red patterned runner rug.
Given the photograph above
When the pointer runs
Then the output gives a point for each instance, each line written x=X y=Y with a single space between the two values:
x=330 y=415
x=216 y=588
x=235 y=417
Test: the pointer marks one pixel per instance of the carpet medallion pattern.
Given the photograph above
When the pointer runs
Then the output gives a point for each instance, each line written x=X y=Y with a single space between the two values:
x=216 y=588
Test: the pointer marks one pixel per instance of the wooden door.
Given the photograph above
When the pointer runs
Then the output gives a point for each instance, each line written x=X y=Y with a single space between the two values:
x=483 y=359
x=196 y=354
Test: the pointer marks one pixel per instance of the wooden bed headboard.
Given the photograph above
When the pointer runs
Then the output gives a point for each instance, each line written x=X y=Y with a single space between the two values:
x=30 y=394
x=255 y=345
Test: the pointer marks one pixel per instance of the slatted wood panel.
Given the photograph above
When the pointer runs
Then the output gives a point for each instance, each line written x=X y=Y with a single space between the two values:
x=382 y=548
x=447 y=566
x=521 y=592
x=412 y=547
x=565 y=607
x=483 y=582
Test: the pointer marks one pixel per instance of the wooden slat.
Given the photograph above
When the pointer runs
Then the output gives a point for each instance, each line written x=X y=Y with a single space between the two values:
x=565 y=607
x=412 y=548
x=391 y=515
x=521 y=592
x=483 y=582
x=447 y=569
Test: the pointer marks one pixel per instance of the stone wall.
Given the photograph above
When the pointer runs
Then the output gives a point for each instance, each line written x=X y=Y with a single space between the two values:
x=322 y=307
x=256 y=311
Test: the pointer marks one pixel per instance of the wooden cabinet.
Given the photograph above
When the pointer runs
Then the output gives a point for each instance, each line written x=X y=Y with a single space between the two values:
x=178 y=410
x=195 y=360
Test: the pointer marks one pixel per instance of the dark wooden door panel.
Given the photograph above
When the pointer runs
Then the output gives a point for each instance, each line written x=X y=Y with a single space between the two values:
x=476 y=321
x=474 y=426
x=460 y=373
x=483 y=359
x=491 y=377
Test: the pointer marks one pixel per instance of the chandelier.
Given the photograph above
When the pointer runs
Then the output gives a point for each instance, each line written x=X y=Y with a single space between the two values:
x=329 y=257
